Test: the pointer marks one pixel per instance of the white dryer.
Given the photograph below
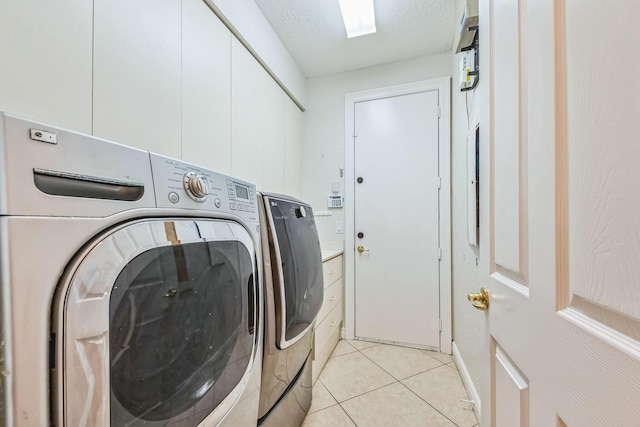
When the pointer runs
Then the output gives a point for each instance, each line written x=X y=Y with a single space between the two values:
x=129 y=286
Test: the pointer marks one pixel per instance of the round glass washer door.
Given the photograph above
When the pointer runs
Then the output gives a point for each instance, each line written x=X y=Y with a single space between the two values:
x=159 y=321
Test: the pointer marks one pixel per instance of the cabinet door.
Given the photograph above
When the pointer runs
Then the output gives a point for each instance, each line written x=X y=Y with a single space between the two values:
x=257 y=105
x=273 y=145
x=46 y=57
x=206 y=88
x=137 y=73
x=292 y=149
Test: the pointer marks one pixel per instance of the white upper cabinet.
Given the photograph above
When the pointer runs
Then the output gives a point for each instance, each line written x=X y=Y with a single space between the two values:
x=206 y=88
x=292 y=149
x=257 y=118
x=137 y=73
x=273 y=143
x=161 y=75
x=46 y=61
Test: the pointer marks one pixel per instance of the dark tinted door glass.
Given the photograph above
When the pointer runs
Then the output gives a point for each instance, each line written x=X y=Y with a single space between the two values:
x=179 y=334
x=301 y=264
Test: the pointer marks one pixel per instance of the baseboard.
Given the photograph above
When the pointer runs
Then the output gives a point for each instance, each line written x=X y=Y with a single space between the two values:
x=466 y=380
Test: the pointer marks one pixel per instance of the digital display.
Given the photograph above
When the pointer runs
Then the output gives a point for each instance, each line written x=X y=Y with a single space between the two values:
x=242 y=192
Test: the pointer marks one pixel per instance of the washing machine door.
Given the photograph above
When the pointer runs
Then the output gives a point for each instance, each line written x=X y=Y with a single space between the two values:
x=158 y=324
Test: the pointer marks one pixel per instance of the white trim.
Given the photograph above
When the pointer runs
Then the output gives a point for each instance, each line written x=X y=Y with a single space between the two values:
x=443 y=86
x=468 y=383
x=603 y=332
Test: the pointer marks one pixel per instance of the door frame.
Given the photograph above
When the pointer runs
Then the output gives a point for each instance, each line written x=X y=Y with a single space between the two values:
x=443 y=86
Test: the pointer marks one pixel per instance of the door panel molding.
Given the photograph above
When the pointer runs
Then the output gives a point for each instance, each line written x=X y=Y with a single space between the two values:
x=625 y=341
x=594 y=227
x=562 y=185
x=509 y=143
x=510 y=389
x=443 y=86
x=505 y=277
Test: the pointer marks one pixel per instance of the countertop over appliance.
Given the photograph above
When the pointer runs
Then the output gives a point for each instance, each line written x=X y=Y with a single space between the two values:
x=327 y=254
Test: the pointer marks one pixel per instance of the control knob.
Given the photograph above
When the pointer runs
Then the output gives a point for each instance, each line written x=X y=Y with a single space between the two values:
x=196 y=186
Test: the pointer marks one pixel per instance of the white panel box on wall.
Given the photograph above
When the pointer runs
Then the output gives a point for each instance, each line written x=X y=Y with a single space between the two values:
x=335 y=201
x=473 y=208
x=467 y=65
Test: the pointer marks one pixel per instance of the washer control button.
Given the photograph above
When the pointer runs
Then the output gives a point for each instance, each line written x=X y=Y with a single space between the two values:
x=241 y=207
x=217 y=202
x=173 y=197
x=196 y=186
x=233 y=206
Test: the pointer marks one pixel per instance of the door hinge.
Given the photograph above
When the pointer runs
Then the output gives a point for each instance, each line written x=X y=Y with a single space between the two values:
x=440 y=325
x=439 y=183
x=439 y=254
x=439 y=112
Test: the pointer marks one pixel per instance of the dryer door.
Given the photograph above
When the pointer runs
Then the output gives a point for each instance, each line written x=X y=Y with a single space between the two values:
x=158 y=325
x=298 y=284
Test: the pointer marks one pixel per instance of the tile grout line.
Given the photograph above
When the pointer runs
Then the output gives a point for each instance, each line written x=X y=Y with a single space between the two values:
x=374 y=362
x=423 y=372
x=345 y=411
x=367 y=392
x=340 y=355
x=405 y=386
x=441 y=364
x=410 y=376
x=362 y=394
x=395 y=380
x=337 y=403
x=425 y=401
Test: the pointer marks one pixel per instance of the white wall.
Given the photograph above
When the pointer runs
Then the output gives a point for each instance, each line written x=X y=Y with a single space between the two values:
x=468 y=323
x=323 y=128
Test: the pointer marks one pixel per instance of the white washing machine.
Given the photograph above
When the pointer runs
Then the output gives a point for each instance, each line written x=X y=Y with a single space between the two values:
x=129 y=286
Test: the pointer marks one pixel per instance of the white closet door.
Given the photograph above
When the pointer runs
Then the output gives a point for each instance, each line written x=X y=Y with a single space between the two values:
x=137 y=74
x=293 y=149
x=46 y=61
x=257 y=117
x=206 y=88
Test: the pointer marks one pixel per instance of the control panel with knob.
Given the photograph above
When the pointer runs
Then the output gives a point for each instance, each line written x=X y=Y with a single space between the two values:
x=196 y=186
x=180 y=185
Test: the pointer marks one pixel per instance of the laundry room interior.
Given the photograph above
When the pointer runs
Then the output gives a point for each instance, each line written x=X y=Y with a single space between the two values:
x=403 y=219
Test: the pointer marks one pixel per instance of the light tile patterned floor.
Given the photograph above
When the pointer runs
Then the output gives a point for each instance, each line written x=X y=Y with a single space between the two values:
x=369 y=384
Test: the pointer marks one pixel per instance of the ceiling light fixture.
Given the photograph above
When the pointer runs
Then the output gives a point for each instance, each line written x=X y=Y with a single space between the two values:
x=358 y=16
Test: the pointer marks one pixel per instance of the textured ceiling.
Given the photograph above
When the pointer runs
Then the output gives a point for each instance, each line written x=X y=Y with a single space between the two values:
x=313 y=32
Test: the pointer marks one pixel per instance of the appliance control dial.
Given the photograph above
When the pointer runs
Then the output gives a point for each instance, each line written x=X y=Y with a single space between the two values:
x=196 y=186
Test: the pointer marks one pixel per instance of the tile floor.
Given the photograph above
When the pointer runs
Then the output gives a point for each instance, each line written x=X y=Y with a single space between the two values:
x=369 y=384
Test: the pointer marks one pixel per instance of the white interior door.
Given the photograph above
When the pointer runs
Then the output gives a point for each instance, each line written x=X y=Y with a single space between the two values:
x=563 y=213
x=396 y=210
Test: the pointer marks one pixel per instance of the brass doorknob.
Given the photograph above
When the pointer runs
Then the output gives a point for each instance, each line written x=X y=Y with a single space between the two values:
x=362 y=249
x=480 y=300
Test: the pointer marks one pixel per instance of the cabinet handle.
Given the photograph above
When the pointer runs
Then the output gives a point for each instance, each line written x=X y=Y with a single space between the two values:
x=332 y=324
x=333 y=298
